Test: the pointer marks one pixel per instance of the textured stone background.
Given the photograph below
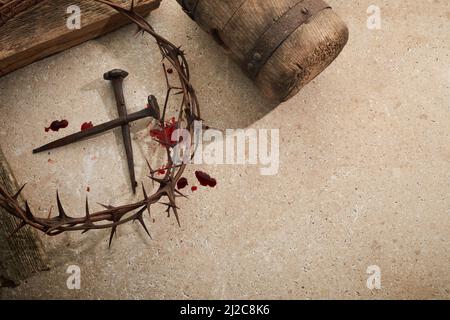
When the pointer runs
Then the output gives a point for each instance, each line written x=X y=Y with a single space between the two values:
x=364 y=176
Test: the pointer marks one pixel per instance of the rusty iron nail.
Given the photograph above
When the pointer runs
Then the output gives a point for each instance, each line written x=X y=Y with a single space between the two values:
x=81 y=135
x=116 y=77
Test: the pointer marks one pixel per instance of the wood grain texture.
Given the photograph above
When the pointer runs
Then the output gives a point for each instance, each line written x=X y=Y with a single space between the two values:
x=239 y=24
x=11 y=8
x=42 y=30
x=216 y=15
x=22 y=254
x=303 y=56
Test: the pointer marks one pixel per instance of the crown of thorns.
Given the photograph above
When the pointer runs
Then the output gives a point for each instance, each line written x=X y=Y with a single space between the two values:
x=166 y=192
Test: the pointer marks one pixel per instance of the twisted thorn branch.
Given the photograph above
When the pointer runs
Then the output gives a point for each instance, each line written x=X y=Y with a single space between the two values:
x=113 y=216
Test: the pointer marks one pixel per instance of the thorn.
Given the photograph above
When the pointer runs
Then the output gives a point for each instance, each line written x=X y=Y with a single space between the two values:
x=50 y=212
x=113 y=231
x=160 y=181
x=28 y=212
x=153 y=182
x=152 y=172
x=181 y=194
x=149 y=166
x=88 y=217
x=144 y=192
x=20 y=226
x=170 y=194
x=108 y=207
x=146 y=198
x=62 y=214
x=140 y=218
x=168 y=205
x=16 y=196
x=138 y=31
x=176 y=216
x=115 y=218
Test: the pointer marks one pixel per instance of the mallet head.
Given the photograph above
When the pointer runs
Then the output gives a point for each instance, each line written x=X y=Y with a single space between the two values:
x=154 y=106
x=115 y=74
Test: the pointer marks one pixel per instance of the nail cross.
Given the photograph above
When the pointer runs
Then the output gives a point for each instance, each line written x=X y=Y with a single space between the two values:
x=116 y=77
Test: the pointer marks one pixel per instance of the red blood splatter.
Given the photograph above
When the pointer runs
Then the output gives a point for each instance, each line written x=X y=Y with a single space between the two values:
x=56 y=125
x=182 y=183
x=194 y=188
x=205 y=179
x=86 y=125
x=162 y=171
x=164 y=136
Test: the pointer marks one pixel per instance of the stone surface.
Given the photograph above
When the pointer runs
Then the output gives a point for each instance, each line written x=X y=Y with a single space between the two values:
x=364 y=176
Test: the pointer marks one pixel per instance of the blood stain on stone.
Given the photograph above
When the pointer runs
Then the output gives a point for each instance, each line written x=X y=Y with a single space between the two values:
x=57 y=124
x=205 y=179
x=182 y=183
x=86 y=125
x=164 y=135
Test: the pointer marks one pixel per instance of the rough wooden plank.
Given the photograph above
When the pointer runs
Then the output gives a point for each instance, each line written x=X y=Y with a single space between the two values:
x=22 y=254
x=42 y=30
x=11 y=8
